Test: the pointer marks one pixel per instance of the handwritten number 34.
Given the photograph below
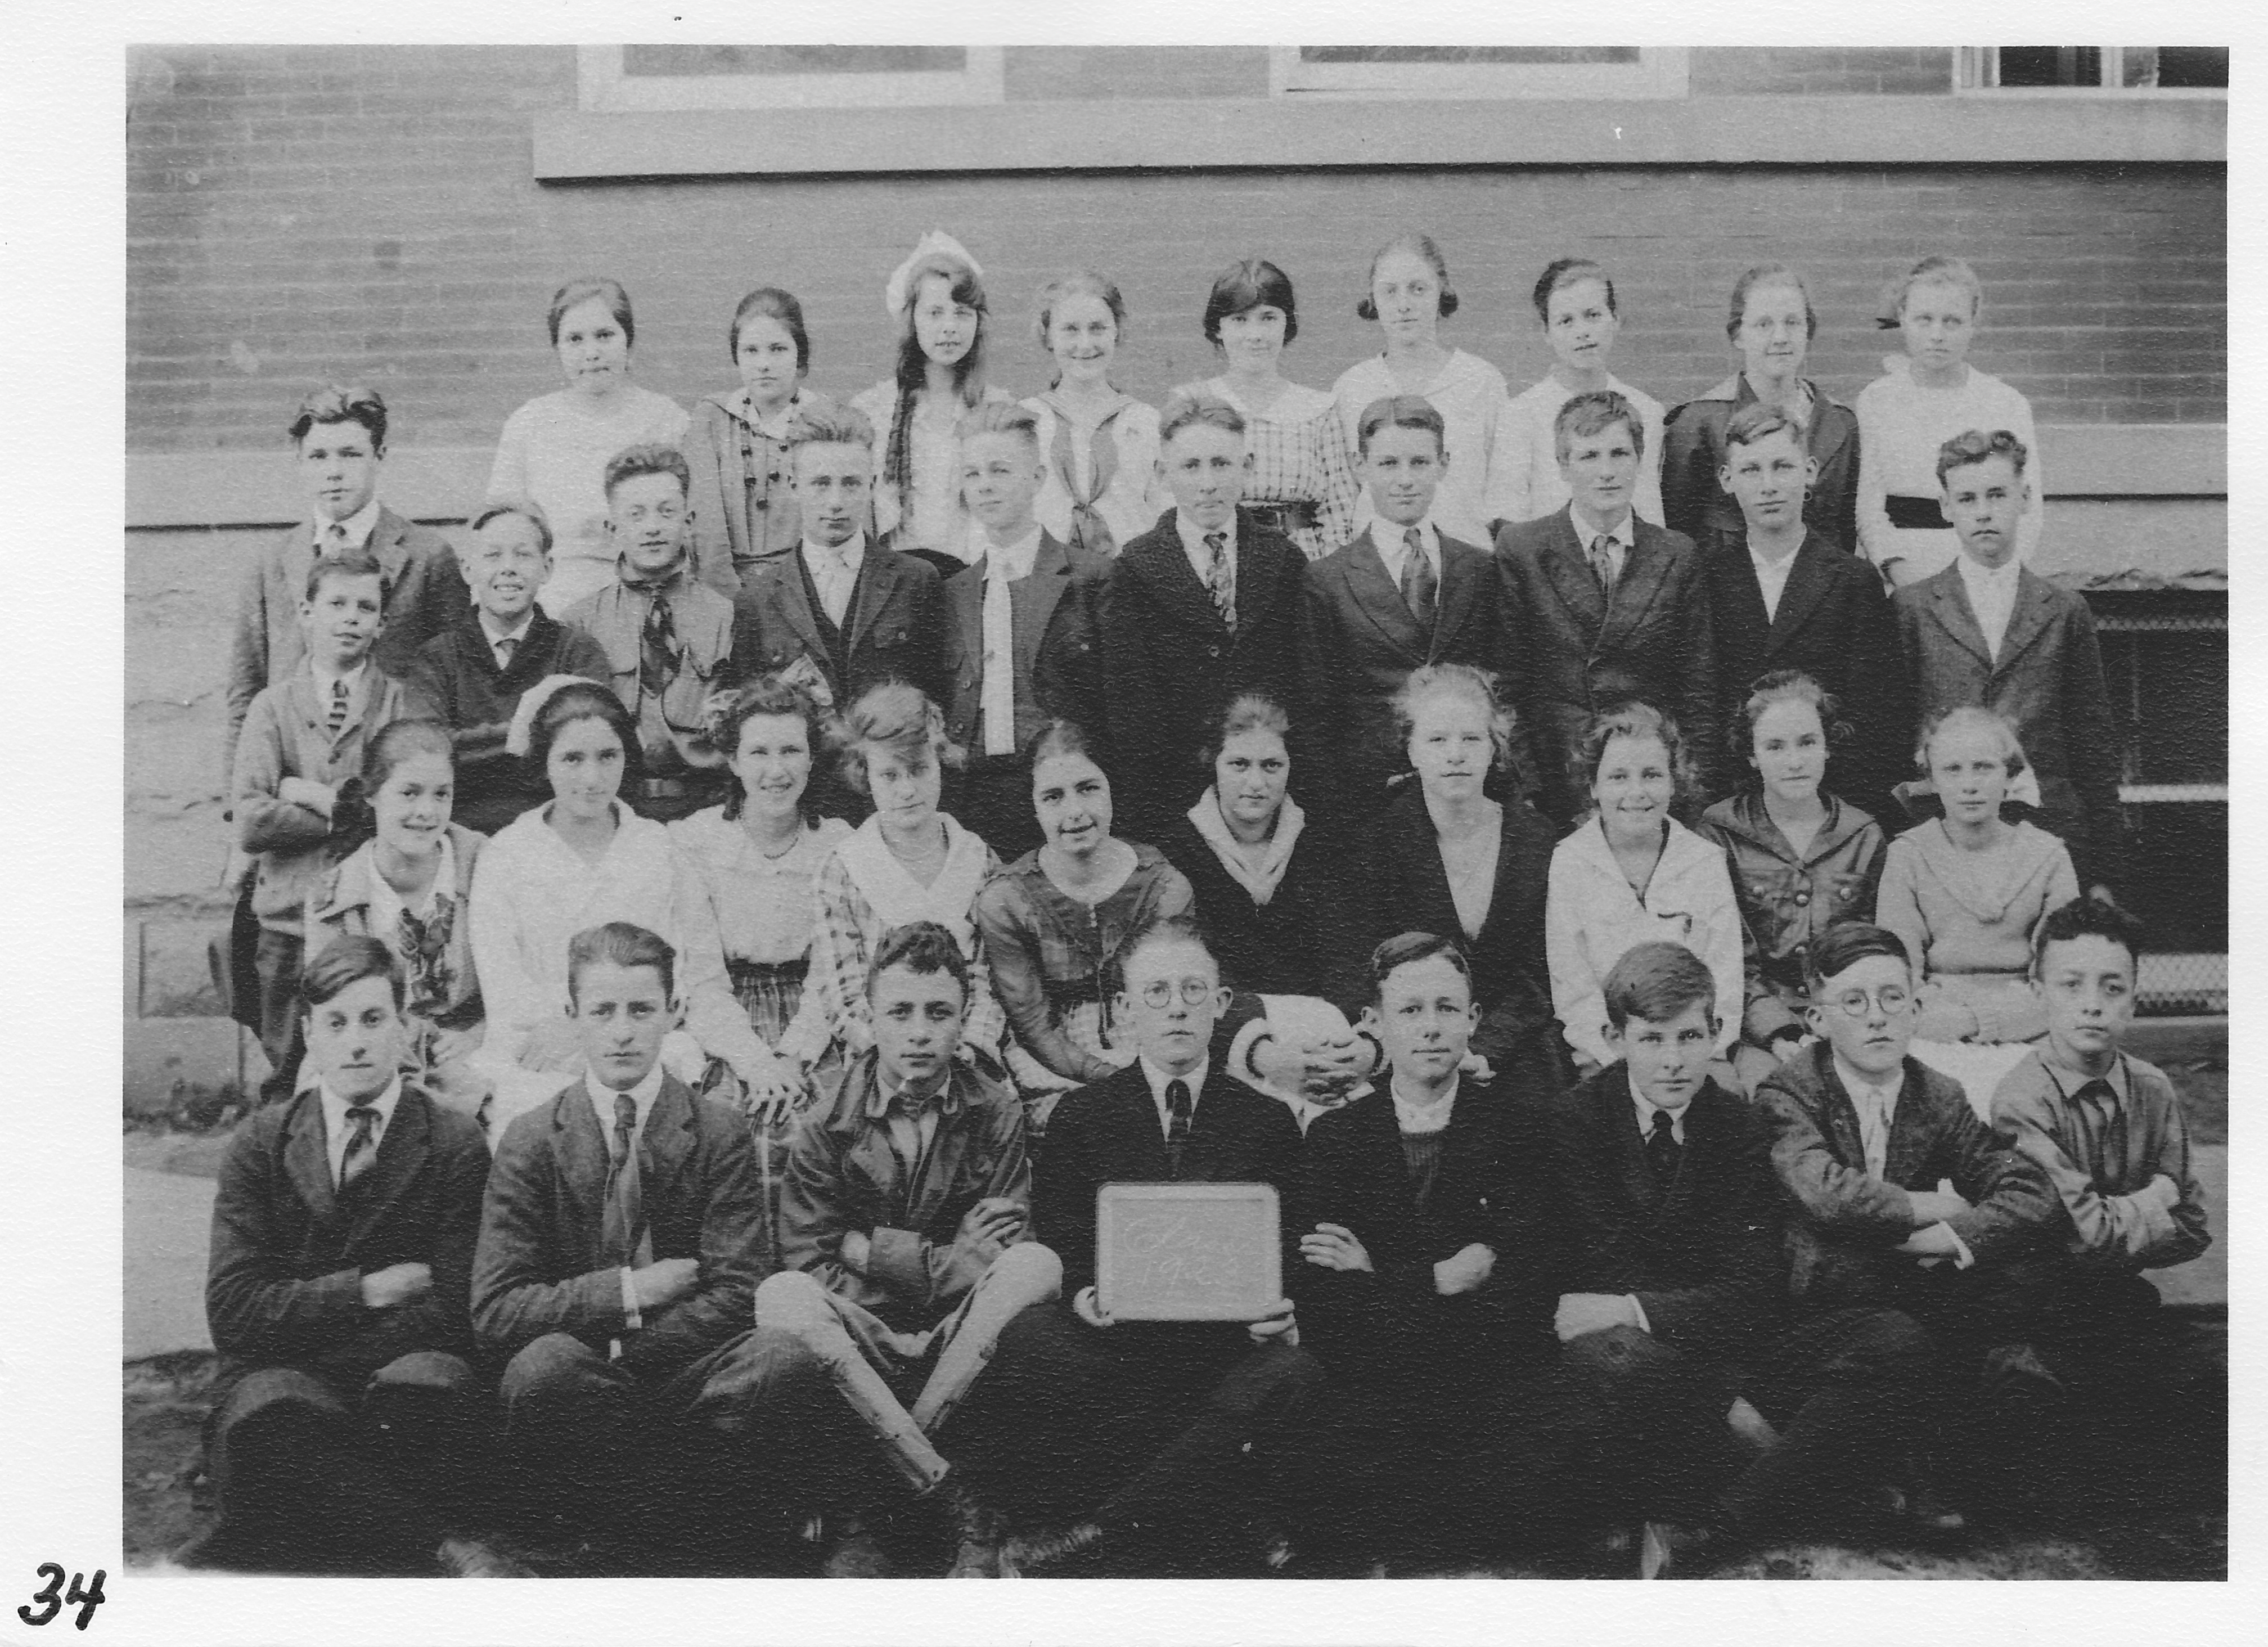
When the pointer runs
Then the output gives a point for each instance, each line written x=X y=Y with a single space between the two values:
x=52 y=1598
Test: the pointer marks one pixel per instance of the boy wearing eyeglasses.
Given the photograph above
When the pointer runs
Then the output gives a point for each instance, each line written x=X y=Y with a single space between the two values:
x=1902 y=1199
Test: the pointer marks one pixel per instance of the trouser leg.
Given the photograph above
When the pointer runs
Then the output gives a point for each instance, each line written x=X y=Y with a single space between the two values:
x=1052 y=1424
x=297 y=1485
x=1021 y=1276
x=427 y=1413
x=277 y=958
x=794 y=1302
x=1258 y=1399
x=572 y=1424
x=1626 y=1425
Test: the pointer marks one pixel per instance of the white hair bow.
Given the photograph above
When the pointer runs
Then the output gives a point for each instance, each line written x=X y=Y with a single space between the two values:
x=531 y=702
x=894 y=294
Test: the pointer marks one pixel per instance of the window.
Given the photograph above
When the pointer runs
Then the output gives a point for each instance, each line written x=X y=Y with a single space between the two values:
x=618 y=79
x=2113 y=70
x=1476 y=71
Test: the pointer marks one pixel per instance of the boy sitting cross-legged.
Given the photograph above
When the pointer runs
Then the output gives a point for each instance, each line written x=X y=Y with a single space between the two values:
x=906 y=1227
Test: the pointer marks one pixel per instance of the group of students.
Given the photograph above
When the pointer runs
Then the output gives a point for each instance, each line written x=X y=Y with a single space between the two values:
x=777 y=831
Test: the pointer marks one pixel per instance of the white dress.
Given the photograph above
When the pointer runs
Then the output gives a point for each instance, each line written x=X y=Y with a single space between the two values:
x=554 y=452
x=1470 y=396
x=1901 y=426
x=1529 y=454
x=935 y=519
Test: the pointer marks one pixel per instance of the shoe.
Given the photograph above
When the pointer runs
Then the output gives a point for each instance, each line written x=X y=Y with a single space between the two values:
x=858 y=1554
x=477 y=1558
x=1082 y=1551
x=2014 y=1376
x=1665 y=1546
x=1916 y=1511
x=976 y=1532
x=216 y=1550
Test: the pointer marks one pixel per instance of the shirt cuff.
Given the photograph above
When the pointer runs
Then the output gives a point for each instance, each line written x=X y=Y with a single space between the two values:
x=1638 y=1309
x=1963 y=1258
x=631 y=1319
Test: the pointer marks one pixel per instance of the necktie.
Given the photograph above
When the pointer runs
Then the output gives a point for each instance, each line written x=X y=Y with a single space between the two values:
x=657 y=648
x=1418 y=583
x=999 y=682
x=335 y=722
x=1220 y=578
x=1873 y=1130
x=1177 y=1125
x=1662 y=1151
x=838 y=592
x=505 y=649
x=334 y=538
x=1602 y=563
x=362 y=1145
x=625 y=1193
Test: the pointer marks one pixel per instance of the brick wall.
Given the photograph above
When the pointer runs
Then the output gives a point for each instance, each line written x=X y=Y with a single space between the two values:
x=299 y=213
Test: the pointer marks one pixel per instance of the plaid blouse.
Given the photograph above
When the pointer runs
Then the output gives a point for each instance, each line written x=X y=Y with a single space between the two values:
x=1300 y=455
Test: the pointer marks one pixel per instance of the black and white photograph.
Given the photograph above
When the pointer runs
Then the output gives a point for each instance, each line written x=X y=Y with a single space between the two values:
x=1142 y=809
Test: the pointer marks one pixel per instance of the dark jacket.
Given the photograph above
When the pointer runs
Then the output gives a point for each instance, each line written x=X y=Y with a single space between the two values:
x=1704 y=1259
x=845 y=1173
x=1308 y=939
x=1789 y=898
x=1693 y=450
x=1388 y=1322
x=2048 y=682
x=1844 y=1225
x=1407 y=891
x=1568 y=653
x=894 y=628
x=1108 y=1134
x=456 y=674
x=540 y=1268
x=283 y=1287
x=1040 y=618
x=1358 y=643
x=1169 y=665
x=1834 y=624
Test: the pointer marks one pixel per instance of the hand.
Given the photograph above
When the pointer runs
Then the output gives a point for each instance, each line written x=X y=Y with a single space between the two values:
x=1464 y=1270
x=1088 y=1308
x=770 y=1089
x=665 y=1281
x=1334 y=1246
x=1325 y=1070
x=397 y=1283
x=1476 y=1067
x=1931 y=1244
x=857 y=1247
x=989 y=1226
x=1941 y=1020
x=1935 y=1206
x=1586 y=1066
x=2166 y=1192
x=1582 y=1313
x=1276 y=1327
x=316 y=797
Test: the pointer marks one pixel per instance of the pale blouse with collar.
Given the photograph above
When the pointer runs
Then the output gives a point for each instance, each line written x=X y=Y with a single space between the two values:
x=554 y=452
x=1132 y=497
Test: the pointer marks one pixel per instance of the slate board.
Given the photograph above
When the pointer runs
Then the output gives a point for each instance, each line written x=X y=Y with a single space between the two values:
x=1187 y=1252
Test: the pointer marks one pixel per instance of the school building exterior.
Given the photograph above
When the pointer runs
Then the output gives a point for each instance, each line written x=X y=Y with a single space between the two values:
x=400 y=216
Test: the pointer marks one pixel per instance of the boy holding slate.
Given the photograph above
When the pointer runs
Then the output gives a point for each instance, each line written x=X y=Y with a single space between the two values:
x=1156 y=1414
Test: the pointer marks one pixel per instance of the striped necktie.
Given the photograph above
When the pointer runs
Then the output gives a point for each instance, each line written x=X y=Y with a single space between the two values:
x=361 y=1144
x=1419 y=584
x=1177 y=1125
x=1220 y=578
x=625 y=1215
x=335 y=722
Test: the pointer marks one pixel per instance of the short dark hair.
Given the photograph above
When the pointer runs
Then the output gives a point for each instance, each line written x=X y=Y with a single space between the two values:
x=999 y=417
x=619 y=943
x=355 y=564
x=632 y=461
x=341 y=403
x=1249 y=284
x=1765 y=277
x=1588 y=414
x=921 y=947
x=1562 y=272
x=348 y=960
x=581 y=291
x=1784 y=686
x=1422 y=247
x=829 y=425
x=768 y=696
x=896 y=716
x=1248 y=712
x=527 y=509
x=1758 y=419
x=2086 y=916
x=1172 y=928
x=1845 y=944
x=1407 y=949
x=1656 y=981
x=1633 y=719
x=584 y=700
x=1401 y=411
x=1975 y=446
x=1185 y=410
x=779 y=305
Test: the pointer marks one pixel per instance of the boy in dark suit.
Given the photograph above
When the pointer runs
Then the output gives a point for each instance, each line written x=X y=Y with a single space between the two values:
x=1600 y=607
x=906 y=1228
x=667 y=635
x=339 y=437
x=1202 y=607
x=1863 y=1139
x=1398 y=595
x=342 y=1235
x=1145 y=1428
x=615 y=1279
x=1783 y=596
x=1418 y=1288
x=1007 y=623
x=841 y=614
x=1987 y=630
x=471 y=676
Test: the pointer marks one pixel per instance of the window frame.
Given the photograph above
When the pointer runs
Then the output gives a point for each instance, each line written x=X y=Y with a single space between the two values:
x=1661 y=71
x=1973 y=64
x=603 y=86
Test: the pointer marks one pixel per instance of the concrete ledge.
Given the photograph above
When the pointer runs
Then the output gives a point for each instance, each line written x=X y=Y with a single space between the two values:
x=1314 y=131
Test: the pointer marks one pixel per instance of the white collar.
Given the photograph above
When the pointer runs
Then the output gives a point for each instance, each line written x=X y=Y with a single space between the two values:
x=643 y=1095
x=1884 y=1091
x=335 y=1107
x=1393 y=546
x=1624 y=536
x=1423 y=1118
x=1158 y=1080
x=519 y=632
x=1193 y=535
x=1978 y=575
x=358 y=525
x=1767 y=567
x=1011 y=561
x=1647 y=1110
x=325 y=679
x=848 y=553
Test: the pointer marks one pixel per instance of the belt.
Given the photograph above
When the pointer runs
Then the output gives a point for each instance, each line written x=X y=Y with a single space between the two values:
x=1915 y=514
x=748 y=972
x=1283 y=518
x=668 y=788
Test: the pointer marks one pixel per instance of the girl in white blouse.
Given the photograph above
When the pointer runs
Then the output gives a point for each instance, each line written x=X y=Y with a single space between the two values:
x=1410 y=297
x=937 y=298
x=553 y=449
x=1099 y=444
x=1925 y=397
x=1629 y=874
x=1575 y=301
x=582 y=860
x=1300 y=482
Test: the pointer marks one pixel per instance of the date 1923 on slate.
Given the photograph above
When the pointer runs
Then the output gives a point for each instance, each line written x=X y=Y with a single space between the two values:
x=52 y=1598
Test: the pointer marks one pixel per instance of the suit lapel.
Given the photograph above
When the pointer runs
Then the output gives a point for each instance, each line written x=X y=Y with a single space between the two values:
x=1614 y=1114
x=1565 y=564
x=1840 y=1117
x=1806 y=587
x=307 y=1161
x=793 y=604
x=1460 y=582
x=878 y=581
x=1644 y=568
x=1165 y=569
x=1950 y=604
x=1051 y=576
x=386 y=543
x=1913 y=1129
x=1144 y=1143
x=401 y=1156
x=1378 y=601
x=664 y=1145
x=967 y=597
x=2027 y=620
x=581 y=1153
